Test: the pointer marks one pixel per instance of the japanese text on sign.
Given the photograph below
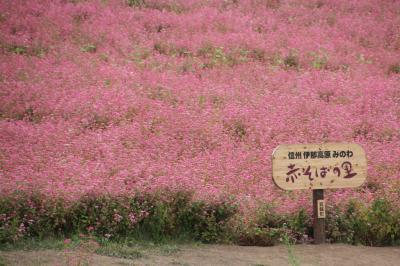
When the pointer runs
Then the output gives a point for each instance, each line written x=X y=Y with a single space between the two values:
x=319 y=154
x=346 y=168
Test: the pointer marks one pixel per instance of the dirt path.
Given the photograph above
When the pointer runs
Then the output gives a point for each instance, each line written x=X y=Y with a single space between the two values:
x=323 y=255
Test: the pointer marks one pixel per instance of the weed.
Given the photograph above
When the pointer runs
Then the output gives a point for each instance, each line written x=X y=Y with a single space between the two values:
x=289 y=242
x=373 y=225
x=3 y=262
x=319 y=60
x=18 y=49
x=97 y=122
x=237 y=129
x=89 y=48
x=136 y=3
x=394 y=69
x=291 y=61
x=141 y=217
x=119 y=251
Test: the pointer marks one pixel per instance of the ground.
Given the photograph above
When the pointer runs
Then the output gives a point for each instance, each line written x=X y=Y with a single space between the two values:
x=328 y=254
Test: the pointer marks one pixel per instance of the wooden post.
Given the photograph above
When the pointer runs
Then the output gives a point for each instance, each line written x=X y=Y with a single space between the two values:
x=318 y=223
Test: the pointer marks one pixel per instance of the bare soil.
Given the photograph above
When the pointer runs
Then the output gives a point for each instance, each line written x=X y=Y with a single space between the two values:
x=324 y=255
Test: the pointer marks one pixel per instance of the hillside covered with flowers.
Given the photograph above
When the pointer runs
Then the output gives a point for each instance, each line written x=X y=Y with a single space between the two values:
x=117 y=97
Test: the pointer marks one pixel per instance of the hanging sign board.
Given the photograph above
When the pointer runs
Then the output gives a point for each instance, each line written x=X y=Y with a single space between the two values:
x=319 y=166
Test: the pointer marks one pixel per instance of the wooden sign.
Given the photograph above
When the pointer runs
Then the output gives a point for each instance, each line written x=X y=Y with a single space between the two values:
x=319 y=166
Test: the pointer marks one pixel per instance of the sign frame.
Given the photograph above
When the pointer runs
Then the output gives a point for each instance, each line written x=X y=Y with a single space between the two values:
x=349 y=167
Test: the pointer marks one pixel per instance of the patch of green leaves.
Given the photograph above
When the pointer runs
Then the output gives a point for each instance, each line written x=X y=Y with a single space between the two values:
x=291 y=61
x=319 y=60
x=18 y=49
x=136 y=3
x=394 y=69
x=35 y=50
x=150 y=217
x=113 y=249
x=89 y=48
x=374 y=225
x=3 y=262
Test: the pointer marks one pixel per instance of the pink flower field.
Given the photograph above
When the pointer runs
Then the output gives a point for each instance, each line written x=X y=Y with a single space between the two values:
x=117 y=97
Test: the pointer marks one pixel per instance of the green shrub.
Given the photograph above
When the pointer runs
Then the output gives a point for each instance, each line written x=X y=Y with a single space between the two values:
x=153 y=217
x=375 y=225
x=30 y=216
x=270 y=228
x=291 y=61
x=300 y=224
x=167 y=216
x=160 y=224
x=237 y=129
x=319 y=60
x=256 y=236
x=119 y=251
x=89 y=48
x=35 y=50
x=394 y=69
x=18 y=49
x=136 y=3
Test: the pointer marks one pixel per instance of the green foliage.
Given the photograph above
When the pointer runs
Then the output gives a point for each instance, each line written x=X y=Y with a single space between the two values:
x=3 y=261
x=112 y=249
x=139 y=55
x=161 y=48
x=136 y=3
x=289 y=242
x=375 y=225
x=208 y=222
x=97 y=122
x=394 y=69
x=160 y=223
x=37 y=49
x=237 y=129
x=299 y=224
x=194 y=220
x=256 y=236
x=18 y=49
x=219 y=56
x=29 y=114
x=166 y=216
x=153 y=217
x=270 y=228
x=169 y=6
x=3 y=17
x=34 y=243
x=291 y=61
x=273 y=4
x=89 y=48
x=161 y=93
x=319 y=60
x=257 y=54
x=31 y=216
x=210 y=56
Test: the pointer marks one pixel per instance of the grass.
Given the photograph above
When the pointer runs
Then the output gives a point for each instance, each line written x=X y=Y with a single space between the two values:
x=293 y=260
x=119 y=251
x=37 y=244
x=179 y=263
x=168 y=249
x=2 y=261
x=126 y=249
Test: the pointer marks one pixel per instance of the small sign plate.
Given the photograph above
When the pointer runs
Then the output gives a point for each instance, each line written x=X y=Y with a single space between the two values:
x=321 y=208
